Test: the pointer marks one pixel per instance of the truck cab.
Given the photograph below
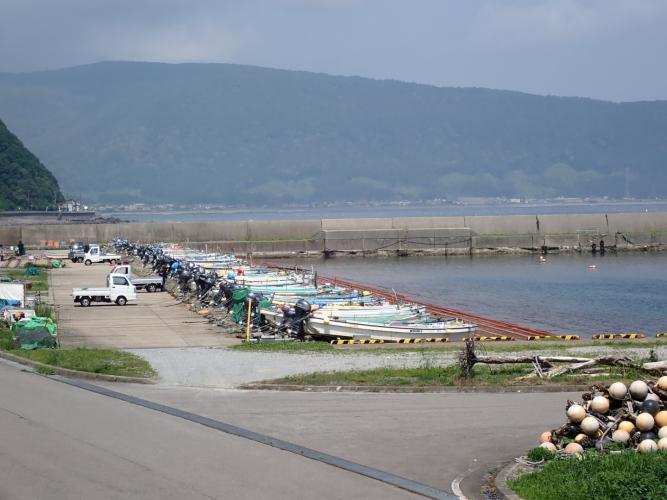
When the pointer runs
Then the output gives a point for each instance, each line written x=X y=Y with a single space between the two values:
x=95 y=254
x=76 y=252
x=148 y=283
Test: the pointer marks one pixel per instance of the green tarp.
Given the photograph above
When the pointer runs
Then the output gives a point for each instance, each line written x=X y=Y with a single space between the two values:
x=35 y=333
x=239 y=303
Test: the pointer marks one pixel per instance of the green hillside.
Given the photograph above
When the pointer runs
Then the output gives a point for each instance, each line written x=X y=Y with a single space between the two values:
x=26 y=183
x=233 y=134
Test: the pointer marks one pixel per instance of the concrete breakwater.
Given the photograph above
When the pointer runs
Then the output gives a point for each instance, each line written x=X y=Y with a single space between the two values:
x=404 y=235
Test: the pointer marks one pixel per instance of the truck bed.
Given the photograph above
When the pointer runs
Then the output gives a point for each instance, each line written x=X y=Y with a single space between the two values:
x=92 y=291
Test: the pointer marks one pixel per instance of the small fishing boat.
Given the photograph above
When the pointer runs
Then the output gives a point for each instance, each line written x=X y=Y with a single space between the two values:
x=361 y=313
x=326 y=327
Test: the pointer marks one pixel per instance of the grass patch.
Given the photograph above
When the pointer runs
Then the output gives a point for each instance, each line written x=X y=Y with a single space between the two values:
x=448 y=376
x=626 y=476
x=107 y=361
x=44 y=311
x=39 y=282
x=285 y=346
x=539 y=346
x=6 y=342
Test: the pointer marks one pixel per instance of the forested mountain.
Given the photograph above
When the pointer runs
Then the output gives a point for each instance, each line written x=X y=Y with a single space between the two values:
x=232 y=134
x=25 y=184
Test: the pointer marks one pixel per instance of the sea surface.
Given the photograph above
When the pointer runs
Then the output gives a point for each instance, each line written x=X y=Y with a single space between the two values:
x=346 y=212
x=623 y=293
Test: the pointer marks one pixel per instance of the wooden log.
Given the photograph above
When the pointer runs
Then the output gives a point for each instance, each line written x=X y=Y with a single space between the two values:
x=499 y=360
x=656 y=366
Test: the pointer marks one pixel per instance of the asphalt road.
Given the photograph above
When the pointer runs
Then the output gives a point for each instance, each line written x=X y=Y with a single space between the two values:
x=431 y=438
x=61 y=442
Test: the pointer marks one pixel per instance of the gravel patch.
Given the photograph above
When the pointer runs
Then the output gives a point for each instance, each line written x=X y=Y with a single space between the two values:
x=223 y=368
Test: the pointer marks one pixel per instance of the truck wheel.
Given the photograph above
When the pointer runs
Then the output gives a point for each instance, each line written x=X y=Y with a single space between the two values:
x=151 y=288
x=121 y=301
x=79 y=260
x=85 y=301
x=88 y=262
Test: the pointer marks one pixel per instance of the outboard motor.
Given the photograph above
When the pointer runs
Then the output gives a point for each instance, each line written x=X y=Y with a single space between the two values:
x=209 y=281
x=302 y=310
x=183 y=279
x=228 y=292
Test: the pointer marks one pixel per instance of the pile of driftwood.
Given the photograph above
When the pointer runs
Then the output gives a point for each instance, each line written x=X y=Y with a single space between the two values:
x=546 y=366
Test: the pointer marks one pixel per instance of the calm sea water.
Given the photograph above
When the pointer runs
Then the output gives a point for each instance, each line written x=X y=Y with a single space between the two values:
x=623 y=293
x=389 y=211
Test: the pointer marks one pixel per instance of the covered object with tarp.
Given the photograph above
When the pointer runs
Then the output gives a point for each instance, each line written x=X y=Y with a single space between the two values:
x=35 y=333
x=239 y=308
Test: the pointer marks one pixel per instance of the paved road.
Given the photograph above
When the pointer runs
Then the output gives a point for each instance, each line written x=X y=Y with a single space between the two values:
x=430 y=438
x=155 y=320
x=60 y=442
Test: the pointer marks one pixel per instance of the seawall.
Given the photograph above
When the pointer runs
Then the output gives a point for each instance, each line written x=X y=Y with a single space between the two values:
x=402 y=235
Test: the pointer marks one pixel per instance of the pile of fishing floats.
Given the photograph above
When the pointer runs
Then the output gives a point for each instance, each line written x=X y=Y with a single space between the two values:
x=617 y=416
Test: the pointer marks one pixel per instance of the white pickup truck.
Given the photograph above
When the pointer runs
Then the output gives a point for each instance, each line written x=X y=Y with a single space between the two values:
x=95 y=254
x=119 y=290
x=149 y=283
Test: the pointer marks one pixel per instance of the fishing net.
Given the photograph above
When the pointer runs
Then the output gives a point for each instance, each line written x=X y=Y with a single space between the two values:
x=35 y=333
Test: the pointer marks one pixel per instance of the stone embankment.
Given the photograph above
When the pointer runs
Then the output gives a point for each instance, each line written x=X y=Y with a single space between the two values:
x=399 y=235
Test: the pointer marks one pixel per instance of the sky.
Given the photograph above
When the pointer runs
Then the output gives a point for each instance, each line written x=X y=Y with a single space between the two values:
x=606 y=49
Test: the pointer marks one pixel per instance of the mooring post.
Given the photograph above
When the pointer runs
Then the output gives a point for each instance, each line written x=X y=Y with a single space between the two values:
x=247 y=327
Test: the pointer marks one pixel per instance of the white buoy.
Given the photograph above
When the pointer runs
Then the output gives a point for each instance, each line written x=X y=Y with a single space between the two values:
x=576 y=413
x=590 y=426
x=662 y=433
x=662 y=444
x=600 y=404
x=620 y=436
x=638 y=390
x=647 y=446
x=574 y=449
x=618 y=390
x=645 y=422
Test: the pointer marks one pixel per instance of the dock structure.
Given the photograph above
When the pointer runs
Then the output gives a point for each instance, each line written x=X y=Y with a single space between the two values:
x=487 y=327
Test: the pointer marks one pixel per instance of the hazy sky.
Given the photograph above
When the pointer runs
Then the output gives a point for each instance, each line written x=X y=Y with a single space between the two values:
x=608 y=49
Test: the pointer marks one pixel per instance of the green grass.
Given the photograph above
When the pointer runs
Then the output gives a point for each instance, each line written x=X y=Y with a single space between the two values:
x=6 y=342
x=626 y=476
x=537 y=346
x=285 y=346
x=446 y=376
x=40 y=282
x=107 y=361
x=44 y=311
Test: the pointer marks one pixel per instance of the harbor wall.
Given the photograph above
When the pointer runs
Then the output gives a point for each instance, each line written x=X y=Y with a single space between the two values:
x=470 y=234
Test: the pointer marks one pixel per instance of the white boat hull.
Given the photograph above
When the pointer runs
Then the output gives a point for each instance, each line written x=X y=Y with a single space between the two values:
x=355 y=329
